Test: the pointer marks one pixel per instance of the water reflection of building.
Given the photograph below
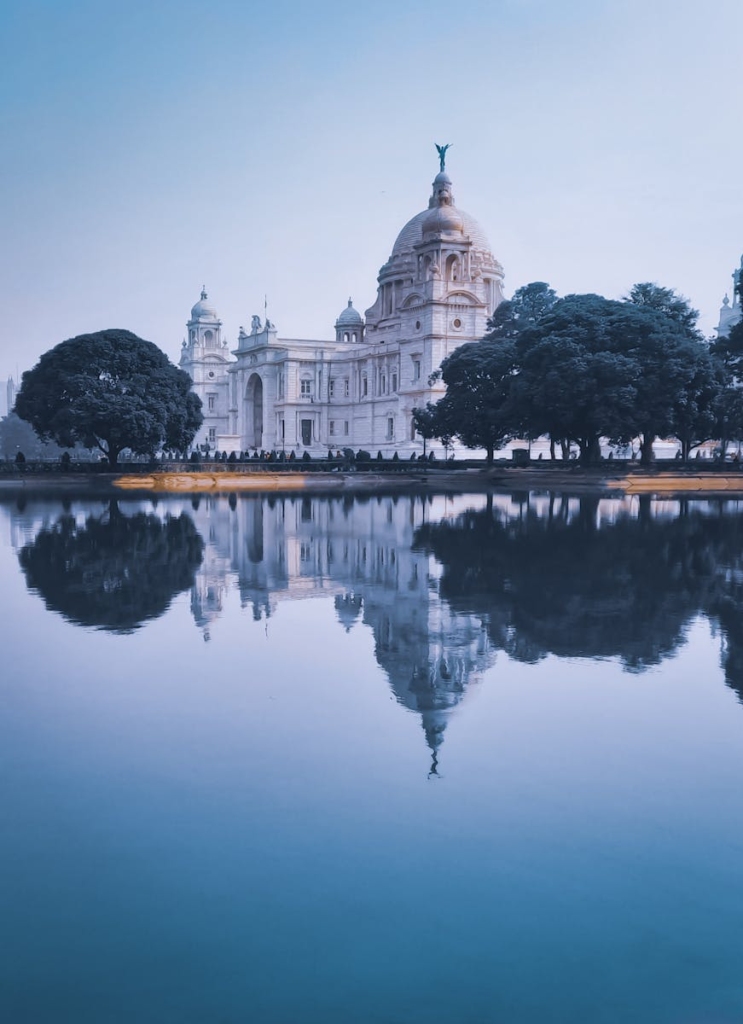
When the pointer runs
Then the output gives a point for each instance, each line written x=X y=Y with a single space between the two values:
x=441 y=583
x=359 y=551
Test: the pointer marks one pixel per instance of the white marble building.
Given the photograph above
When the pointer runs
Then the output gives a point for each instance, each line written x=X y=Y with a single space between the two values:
x=358 y=389
x=7 y=396
x=730 y=313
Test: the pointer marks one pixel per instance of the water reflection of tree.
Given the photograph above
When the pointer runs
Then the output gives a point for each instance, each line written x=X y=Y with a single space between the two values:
x=115 y=572
x=551 y=584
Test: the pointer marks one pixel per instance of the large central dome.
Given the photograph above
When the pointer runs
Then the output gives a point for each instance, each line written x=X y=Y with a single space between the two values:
x=439 y=216
x=441 y=258
x=412 y=233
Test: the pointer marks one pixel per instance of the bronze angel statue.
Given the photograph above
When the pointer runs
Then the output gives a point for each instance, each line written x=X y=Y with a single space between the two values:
x=442 y=153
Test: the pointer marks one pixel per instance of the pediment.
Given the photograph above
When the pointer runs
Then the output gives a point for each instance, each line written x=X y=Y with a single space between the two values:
x=461 y=298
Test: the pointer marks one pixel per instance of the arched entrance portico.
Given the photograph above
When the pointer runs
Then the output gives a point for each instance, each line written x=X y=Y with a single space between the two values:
x=254 y=412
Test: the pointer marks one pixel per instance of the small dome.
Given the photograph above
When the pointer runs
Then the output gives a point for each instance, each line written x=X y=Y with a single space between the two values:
x=443 y=220
x=203 y=310
x=442 y=178
x=350 y=317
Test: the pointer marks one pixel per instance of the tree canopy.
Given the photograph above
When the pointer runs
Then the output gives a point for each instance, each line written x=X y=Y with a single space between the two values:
x=649 y=295
x=476 y=407
x=110 y=390
x=582 y=368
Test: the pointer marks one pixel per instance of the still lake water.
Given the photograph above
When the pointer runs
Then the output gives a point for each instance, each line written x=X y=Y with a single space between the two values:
x=386 y=761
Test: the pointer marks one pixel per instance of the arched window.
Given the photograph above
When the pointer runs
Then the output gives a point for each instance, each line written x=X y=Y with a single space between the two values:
x=345 y=337
x=452 y=268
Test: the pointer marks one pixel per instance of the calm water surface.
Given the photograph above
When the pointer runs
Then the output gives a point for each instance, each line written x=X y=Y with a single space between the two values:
x=396 y=761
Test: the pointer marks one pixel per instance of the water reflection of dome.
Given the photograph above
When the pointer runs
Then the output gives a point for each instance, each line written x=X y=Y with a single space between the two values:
x=429 y=660
x=348 y=609
x=358 y=552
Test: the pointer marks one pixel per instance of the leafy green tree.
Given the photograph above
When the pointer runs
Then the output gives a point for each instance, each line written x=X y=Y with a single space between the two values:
x=477 y=407
x=110 y=390
x=528 y=305
x=729 y=350
x=429 y=422
x=649 y=295
x=677 y=384
x=575 y=380
x=700 y=410
x=593 y=368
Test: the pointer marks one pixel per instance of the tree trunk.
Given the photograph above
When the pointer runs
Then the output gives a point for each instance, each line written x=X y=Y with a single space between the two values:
x=590 y=450
x=553 y=454
x=646 y=449
x=565 y=446
x=490 y=451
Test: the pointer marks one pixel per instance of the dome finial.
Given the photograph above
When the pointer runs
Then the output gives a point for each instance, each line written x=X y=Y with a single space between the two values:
x=441 y=150
x=203 y=292
x=350 y=302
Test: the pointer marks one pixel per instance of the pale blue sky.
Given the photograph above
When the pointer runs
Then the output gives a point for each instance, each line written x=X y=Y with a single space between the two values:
x=151 y=147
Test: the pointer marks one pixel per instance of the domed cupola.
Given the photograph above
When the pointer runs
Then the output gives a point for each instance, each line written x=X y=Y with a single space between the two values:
x=349 y=327
x=203 y=311
x=204 y=327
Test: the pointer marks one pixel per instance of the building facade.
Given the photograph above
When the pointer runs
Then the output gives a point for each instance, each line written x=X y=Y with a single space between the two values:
x=730 y=312
x=359 y=388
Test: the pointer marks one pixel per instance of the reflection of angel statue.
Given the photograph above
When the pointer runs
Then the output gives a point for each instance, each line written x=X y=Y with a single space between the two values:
x=255 y=325
x=442 y=153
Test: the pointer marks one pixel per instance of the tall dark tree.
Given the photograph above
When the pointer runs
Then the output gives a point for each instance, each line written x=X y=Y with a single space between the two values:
x=593 y=368
x=477 y=405
x=678 y=385
x=429 y=423
x=703 y=408
x=575 y=380
x=729 y=350
x=529 y=304
x=110 y=390
x=649 y=295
